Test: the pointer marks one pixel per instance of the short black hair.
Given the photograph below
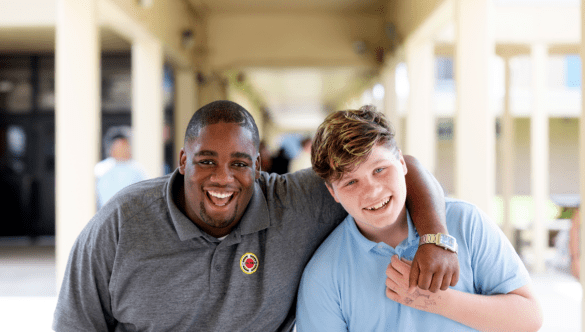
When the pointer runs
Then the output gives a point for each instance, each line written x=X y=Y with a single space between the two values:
x=222 y=111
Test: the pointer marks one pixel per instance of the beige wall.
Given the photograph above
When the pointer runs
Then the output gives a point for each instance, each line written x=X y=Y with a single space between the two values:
x=564 y=164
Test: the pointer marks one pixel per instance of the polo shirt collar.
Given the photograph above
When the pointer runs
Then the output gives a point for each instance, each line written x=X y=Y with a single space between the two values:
x=255 y=218
x=368 y=245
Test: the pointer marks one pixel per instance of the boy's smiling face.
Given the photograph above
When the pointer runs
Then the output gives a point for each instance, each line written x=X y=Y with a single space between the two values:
x=375 y=192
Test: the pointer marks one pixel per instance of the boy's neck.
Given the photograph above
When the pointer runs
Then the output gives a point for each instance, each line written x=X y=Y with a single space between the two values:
x=391 y=235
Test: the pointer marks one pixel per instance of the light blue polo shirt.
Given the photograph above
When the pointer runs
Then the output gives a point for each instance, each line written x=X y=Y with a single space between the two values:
x=343 y=286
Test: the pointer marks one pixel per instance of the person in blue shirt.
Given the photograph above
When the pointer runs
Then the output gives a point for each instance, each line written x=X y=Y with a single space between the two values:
x=118 y=170
x=358 y=278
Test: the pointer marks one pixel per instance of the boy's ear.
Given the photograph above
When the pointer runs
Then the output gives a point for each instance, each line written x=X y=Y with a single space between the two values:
x=331 y=191
x=404 y=168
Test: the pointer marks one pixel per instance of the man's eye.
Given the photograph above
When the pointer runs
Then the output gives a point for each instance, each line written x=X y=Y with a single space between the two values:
x=240 y=164
x=205 y=162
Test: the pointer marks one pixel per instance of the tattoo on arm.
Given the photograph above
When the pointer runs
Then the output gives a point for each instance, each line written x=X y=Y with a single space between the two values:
x=417 y=294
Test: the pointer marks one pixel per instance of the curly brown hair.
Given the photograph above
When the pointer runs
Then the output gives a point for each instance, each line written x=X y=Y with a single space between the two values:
x=346 y=138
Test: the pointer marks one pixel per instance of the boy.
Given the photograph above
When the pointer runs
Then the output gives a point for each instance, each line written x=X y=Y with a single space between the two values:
x=346 y=286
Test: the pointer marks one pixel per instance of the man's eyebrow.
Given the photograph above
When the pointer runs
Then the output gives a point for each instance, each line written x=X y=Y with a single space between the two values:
x=206 y=153
x=241 y=155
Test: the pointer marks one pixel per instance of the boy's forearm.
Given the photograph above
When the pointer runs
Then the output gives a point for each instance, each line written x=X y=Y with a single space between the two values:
x=515 y=311
x=425 y=199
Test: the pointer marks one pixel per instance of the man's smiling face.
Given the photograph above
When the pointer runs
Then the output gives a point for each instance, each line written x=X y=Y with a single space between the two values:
x=220 y=167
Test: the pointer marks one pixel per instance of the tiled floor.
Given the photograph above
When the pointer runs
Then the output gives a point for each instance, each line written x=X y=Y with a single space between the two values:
x=28 y=291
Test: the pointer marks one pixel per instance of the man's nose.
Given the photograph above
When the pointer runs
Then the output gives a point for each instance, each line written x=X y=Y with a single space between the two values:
x=222 y=174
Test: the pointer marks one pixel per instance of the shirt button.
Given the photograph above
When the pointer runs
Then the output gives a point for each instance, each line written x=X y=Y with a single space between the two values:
x=217 y=267
x=380 y=246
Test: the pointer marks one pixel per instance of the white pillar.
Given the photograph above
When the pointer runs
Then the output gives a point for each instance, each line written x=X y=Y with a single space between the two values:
x=539 y=155
x=474 y=122
x=507 y=149
x=147 y=105
x=77 y=121
x=391 y=102
x=420 y=119
x=185 y=105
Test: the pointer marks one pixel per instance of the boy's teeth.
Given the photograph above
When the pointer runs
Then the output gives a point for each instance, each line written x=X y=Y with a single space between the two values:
x=379 y=205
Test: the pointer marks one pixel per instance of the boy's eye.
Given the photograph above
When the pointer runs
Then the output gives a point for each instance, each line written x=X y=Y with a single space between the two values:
x=350 y=183
x=378 y=170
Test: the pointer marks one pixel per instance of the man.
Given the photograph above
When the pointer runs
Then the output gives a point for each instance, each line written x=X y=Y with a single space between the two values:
x=346 y=285
x=216 y=246
x=119 y=170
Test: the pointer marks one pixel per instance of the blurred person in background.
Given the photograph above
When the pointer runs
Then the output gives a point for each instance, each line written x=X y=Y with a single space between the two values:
x=280 y=162
x=118 y=170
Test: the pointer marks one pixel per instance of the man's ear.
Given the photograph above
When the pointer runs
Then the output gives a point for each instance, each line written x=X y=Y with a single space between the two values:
x=332 y=192
x=258 y=167
x=182 y=161
x=402 y=161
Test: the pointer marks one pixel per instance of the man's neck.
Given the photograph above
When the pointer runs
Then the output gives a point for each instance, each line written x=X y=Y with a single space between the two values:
x=391 y=235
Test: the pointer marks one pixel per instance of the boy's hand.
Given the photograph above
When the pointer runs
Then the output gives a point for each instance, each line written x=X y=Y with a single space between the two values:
x=433 y=268
x=397 y=288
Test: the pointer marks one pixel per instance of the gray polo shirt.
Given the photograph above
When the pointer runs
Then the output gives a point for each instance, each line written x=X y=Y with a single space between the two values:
x=141 y=265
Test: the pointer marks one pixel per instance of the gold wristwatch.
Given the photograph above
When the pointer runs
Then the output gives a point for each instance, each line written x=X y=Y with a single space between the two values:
x=442 y=240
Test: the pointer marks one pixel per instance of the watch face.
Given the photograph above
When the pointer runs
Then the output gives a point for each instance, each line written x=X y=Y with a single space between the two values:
x=447 y=241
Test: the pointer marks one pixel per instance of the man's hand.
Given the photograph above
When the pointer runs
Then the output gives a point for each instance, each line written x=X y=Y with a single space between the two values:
x=433 y=268
x=397 y=288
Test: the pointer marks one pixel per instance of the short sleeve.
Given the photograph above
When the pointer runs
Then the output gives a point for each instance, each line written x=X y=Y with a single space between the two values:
x=497 y=268
x=318 y=303
x=84 y=301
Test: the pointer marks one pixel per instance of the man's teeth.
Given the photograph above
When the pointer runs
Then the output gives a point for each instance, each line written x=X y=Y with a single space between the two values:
x=376 y=207
x=220 y=195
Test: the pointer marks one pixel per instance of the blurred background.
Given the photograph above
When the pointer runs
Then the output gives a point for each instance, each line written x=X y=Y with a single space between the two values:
x=485 y=93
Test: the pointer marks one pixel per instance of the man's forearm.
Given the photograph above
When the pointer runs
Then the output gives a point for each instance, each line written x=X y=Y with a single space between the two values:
x=425 y=199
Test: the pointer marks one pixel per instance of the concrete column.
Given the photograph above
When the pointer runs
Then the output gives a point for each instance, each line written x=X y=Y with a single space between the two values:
x=391 y=102
x=147 y=105
x=77 y=121
x=185 y=105
x=420 y=119
x=507 y=148
x=474 y=121
x=539 y=154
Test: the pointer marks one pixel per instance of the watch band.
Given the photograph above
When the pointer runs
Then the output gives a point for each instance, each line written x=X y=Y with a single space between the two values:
x=444 y=241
